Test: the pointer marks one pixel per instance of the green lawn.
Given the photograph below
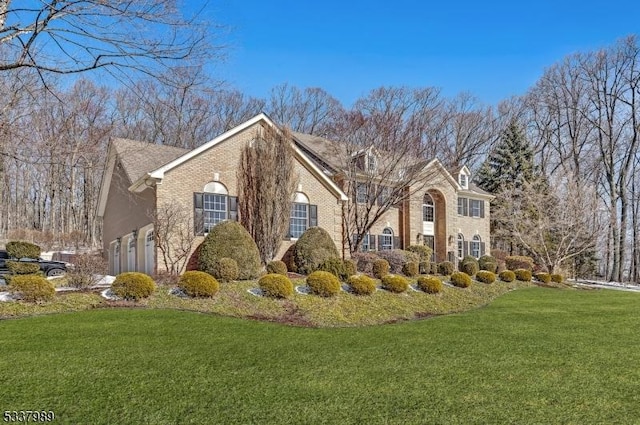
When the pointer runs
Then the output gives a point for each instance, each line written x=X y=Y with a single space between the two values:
x=535 y=355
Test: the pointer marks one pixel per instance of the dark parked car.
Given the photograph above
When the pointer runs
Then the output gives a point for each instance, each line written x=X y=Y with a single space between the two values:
x=49 y=268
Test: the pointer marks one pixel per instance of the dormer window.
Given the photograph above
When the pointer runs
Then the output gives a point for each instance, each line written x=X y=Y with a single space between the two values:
x=463 y=181
x=372 y=163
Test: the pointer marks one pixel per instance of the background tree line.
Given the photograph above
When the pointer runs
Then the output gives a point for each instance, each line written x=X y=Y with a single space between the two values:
x=580 y=122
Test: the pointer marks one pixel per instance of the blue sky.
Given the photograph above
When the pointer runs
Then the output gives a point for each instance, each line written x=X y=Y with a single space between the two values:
x=492 y=49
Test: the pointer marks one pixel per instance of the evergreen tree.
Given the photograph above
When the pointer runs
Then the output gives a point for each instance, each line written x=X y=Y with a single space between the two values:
x=508 y=167
x=510 y=164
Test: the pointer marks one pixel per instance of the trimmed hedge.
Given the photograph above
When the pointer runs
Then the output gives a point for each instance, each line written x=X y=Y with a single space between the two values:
x=17 y=267
x=362 y=284
x=277 y=267
x=410 y=269
x=397 y=258
x=275 y=285
x=32 y=288
x=557 y=278
x=488 y=263
x=323 y=284
x=228 y=239
x=543 y=277
x=22 y=249
x=460 y=279
x=507 y=276
x=225 y=269
x=133 y=286
x=380 y=268
x=523 y=275
x=364 y=261
x=485 y=276
x=515 y=262
x=313 y=248
x=198 y=284
x=335 y=266
x=430 y=284
x=395 y=283
x=445 y=268
x=424 y=254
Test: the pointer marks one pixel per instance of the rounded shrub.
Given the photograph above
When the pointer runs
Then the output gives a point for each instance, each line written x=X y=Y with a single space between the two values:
x=430 y=284
x=17 y=267
x=410 y=269
x=335 y=266
x=460 y=279
x=225 y=269
x=469 y=267
x=543 y=277
x=32 y=288
x=364 y=261
x=312 y=249
x=523 y=274
x=22 y=249
x=515 y=262
x=288 y=259
x=276 y=285
x=507 y=276
x=445 y=268
x=397 y=258
x=198 y=284
x=424 y=267
x=434 y=268
x=380 y=268
x=133 y=286
x=485 y=276
x=228 y=239
x=323 y=284
x=395 y=283
x=424 y=252
x=277 y=267
x=488 y=263
x=350 y=268
x=362 y=284
x=557 y=278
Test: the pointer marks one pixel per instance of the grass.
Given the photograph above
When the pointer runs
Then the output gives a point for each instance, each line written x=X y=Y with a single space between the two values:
x=536 y=355
x=305 y=310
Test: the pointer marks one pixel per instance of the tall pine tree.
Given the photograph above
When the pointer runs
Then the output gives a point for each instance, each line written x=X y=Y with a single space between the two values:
x=508 y=167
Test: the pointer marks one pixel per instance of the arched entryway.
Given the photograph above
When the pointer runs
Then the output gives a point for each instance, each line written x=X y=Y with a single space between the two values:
x=434 y=224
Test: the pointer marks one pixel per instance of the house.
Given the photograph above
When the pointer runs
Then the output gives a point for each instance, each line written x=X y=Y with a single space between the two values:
x=451 y=215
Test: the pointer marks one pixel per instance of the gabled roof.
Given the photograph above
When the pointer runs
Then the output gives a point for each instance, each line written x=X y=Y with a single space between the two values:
x=138 y=158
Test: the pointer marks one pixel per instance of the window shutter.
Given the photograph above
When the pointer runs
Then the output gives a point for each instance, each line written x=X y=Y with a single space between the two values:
x=233 y=208
x=465 y=207
x=198 y=214
x=372 y=242
x=481 y=209
x=482 y=248
x=313 y=215
x=396 y=242
x=379 y=242
x=465 y=249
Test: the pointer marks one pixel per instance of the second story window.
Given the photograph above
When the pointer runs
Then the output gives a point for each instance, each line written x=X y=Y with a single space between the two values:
x=476 y=208
x=428 y=210
x=463 y=181
x=362 y=193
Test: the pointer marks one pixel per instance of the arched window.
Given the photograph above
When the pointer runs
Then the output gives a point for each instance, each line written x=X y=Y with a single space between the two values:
x=428 y=209
x=149 y=251
x=386 y=240
x=131 y=255
x=475 y=246
x=460 y=246
x=299 y=219
x=215 y=204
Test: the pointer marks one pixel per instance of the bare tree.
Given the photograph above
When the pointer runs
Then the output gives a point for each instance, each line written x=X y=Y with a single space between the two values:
x=381 y=152
x=174 y=235
x=72 y=36
x=311 y=111
x=266 y=184
x=552 y=227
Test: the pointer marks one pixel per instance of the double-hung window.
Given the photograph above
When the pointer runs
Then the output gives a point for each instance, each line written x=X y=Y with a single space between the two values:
x=299 y=221
x=386 y=240
x=476 y=208
x=460 y=246
x=215 y=210
x=475 y=246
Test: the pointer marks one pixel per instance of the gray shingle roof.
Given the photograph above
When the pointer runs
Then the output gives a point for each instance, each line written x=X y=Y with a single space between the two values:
x=139 y=158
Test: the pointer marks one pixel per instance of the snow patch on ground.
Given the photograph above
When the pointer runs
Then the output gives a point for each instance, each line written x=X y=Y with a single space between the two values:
x=620 y=286
x=108 y=294
x=256 y=291
x=6 y=297
x=303 y=290
x=178 y=292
